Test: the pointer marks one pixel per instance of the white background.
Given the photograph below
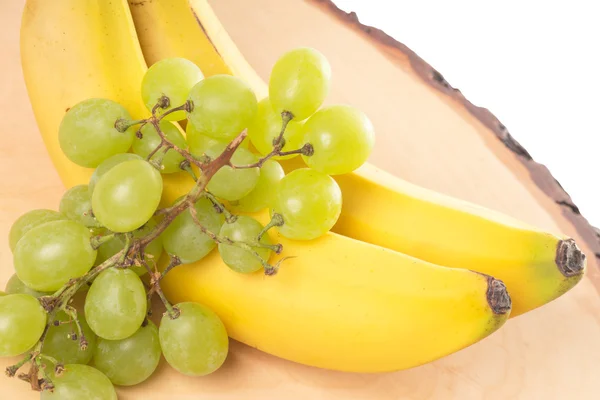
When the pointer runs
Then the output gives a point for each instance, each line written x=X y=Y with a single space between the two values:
x=533 y=64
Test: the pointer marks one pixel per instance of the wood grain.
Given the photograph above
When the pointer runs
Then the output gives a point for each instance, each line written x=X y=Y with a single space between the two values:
x=426 y=136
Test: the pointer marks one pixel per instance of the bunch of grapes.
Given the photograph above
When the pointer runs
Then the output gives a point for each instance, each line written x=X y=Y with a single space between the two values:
x=105 y=241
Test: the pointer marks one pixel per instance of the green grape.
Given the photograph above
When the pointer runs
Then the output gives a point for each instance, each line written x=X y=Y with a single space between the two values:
x=79 y=382
x=342 y=138
x=152 y=251
x=264 y=192
x=127 y=196
x=223 y=106
x=49 y=255
x=299 y=82
x=171 y=77
x=151 y=140
x=87 y=133
x=65 y=349
x=15 y=285
x=196 y=342
x=2 y=293
x=22 y=322
x=310 y=203
x=244 y=229
x=30 y=220
x=183 y=237
x=108 y=164
x=233 y=184
x=267 y=127
x=131 y=360
x=76 y=205
x=115 y=305
x=198 y=142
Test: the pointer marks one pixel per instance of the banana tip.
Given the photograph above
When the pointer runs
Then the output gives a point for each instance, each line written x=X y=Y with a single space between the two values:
x=570 y=260
x=498 y=297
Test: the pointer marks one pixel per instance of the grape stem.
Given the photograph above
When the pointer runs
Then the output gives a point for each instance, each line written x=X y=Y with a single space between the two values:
x=97 y=241
x=32 y=375
x=155 y=278
x=72 y=312
x=175 y=261
x=248 y=246
x=306 y=150
x=286 y=117
x=164 y=142
x=276 y=220
x=11 y=371
x=278 y=144
x=122 y=124
x=187 y=167
x=220 y=208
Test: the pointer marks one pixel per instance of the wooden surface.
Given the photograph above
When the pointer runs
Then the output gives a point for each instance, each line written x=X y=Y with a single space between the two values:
x=427 y=135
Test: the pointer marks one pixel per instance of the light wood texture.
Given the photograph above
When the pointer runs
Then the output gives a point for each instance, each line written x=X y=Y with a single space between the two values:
x=425 y=137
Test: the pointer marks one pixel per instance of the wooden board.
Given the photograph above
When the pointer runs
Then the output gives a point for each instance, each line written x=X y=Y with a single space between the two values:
x=428 y=134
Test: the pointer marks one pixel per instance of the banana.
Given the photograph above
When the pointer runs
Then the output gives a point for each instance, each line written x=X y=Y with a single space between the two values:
x=340 y=303
x=187 y=39
x=537 y=266
x=347 y=305
x=72 y=50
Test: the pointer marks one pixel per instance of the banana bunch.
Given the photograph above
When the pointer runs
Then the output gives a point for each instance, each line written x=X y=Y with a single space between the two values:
x=402 y=265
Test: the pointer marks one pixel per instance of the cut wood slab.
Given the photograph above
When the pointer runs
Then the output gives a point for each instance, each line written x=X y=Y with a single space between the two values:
x=428 y=134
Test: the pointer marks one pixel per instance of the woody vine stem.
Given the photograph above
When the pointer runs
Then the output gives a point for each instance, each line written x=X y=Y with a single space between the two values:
x=133 y=252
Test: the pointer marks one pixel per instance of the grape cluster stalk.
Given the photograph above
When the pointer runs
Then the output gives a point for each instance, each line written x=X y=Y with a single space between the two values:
x=109 y=233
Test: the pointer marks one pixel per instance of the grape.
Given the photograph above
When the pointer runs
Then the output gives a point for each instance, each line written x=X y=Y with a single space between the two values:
x=116 y=304
x=132 y=360
x=310 y=203
x=299 y=82
x=30 y=220
x=66 y=350
x=342 y=138
x=223 y=106
x=244 y=229
x=152 y=251
x=76 y=205
x=15 y=285
x=2 y=293
x=264 y=192
x=78 y=382
x=49 y=255
x=151 y=140
x=127 y=195
x=196 y=343
x=183 y=237
x=171 y=77
x=87 y=133
x=231 y=184
x=267 y=127
x=198 y=142
x=22 y=322
x=108 y=164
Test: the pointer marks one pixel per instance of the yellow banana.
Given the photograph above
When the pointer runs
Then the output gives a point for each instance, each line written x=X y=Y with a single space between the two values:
x=185 y=27
x=347 y=305
x=537 y=266
x=72 y=50
x=340 y=303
